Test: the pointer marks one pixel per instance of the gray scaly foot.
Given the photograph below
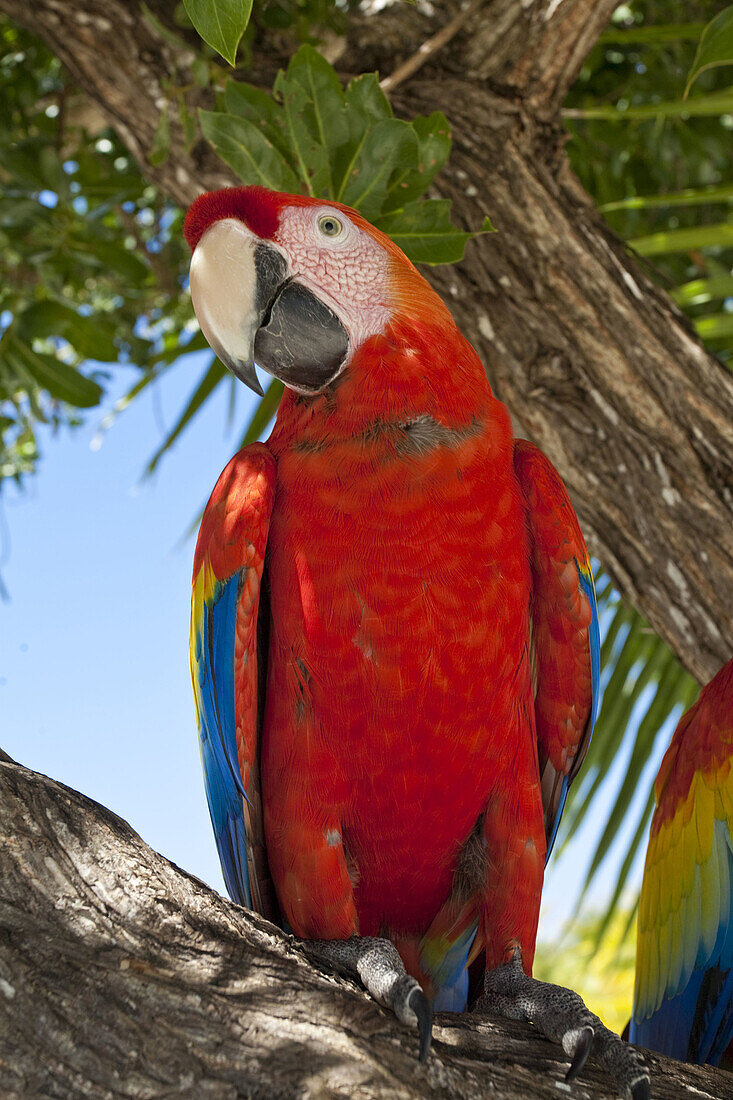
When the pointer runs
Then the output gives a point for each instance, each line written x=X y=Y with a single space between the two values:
x=561 y=1016
x=383 y=974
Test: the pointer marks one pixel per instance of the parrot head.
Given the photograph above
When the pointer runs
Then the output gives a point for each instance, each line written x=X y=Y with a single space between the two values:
x=296 y=284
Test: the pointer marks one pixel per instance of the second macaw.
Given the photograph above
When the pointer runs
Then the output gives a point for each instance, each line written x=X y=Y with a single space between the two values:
x=394 y=634
x=683 y=1000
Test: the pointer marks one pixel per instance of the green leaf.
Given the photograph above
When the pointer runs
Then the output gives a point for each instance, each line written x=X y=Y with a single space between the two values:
x=200 y=72
x=161 y=143
x=434 y=142
x=619 y=698
x=341 y=144
x=424 y=232
x=691 y=196
x=660 y=32
x=719 y=326
x=188 y=122
x=92 y=337
x=262 y=111
x=247 y=151
x=365 y=99
x=387 y=147
x=664 y=666
x=112 y=256
x=62 y=381
x=715 y=47
x=707 y=106
x=221 y=23
x=699 y=291
x=637 y=660
x=315 y=114
x=683 y=240
x=623 y=875
x=365 y=105
x=34 y=163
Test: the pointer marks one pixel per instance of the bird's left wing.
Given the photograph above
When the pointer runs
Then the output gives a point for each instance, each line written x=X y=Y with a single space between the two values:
x=227 y=578
x=564 y=624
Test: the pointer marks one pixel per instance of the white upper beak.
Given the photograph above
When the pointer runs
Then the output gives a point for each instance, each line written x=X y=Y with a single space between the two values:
x=224 y=294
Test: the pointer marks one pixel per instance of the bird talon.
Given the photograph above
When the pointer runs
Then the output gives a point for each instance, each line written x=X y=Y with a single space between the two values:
x=641 y=1089
x=583 y=1047
x=420 y=1005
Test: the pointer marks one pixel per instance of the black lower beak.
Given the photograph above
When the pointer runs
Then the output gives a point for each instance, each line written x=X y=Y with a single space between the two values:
x=301 y=341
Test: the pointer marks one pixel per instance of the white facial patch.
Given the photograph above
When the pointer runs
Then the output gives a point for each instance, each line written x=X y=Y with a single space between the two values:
x=223 y=282
x=348 y=271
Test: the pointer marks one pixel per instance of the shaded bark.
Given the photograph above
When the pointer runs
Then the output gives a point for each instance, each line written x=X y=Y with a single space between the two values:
x=595 y=363
x=123 y=977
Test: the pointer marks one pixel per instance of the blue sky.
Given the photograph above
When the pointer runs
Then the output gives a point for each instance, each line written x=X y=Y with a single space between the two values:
x=94 y=680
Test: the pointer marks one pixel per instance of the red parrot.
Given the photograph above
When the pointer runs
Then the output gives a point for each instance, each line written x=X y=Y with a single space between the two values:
x=683 y=1001
x=394 y=641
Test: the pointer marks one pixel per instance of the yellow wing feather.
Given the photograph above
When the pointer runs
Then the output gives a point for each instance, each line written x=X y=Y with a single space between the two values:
x=686 y=892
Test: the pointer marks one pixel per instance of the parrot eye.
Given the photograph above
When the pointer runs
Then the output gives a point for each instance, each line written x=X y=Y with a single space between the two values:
x=330 y=226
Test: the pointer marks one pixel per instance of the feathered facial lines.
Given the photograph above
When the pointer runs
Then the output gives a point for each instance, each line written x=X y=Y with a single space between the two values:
x=340 y=263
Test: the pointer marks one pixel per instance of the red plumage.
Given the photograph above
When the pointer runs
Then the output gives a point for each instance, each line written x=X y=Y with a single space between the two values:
x=257 y=207
x=397 y=602
x=407 y=555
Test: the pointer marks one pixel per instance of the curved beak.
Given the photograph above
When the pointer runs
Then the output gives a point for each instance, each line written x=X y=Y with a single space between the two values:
x=249 y=307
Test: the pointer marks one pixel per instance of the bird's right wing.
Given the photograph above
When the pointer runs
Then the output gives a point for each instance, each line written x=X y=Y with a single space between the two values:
x=227 y=579
x=683 y=999
x=565 y=645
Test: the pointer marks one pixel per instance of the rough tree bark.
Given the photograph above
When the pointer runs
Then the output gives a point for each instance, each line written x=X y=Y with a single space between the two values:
x=123 y=977
x=595 y=362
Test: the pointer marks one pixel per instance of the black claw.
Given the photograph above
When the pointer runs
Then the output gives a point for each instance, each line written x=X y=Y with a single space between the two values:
x=582 y=1050
x=641 y=1089
x=420 y=1005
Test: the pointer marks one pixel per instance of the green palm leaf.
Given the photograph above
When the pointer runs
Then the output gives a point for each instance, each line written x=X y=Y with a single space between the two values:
x=645 y=690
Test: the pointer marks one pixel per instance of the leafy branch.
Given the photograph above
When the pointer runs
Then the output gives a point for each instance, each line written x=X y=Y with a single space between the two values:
x=343 y=144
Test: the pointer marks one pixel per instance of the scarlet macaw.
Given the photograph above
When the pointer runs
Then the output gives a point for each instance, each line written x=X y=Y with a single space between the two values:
x=394 y=641
x=683 y=999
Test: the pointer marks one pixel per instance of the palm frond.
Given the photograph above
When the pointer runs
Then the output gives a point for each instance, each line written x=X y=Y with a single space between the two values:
x=644 y=691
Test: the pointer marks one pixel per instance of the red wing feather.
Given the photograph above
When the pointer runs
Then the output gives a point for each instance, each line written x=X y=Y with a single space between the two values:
x=565 y=637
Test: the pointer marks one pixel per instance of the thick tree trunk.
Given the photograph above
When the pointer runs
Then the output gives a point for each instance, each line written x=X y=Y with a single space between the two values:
x=123 y=977
x=595 y=363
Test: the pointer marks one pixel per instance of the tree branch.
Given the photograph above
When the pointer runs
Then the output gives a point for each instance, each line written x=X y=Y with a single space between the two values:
x=123 y=977
x=537 y=47
x=595 y=362
x=431 y=47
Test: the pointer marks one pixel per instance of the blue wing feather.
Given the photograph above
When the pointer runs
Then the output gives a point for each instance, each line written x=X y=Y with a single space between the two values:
x=451 y=976
x=694 y=1026
x=227 y=669
x=214 y=652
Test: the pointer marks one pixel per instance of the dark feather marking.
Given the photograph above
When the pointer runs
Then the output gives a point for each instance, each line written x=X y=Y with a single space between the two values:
x=472 y=865
x=711 y=987
x=425 y=434
x=352 y=869
x=415 y=437
x=302 y=678
x=270 y=907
